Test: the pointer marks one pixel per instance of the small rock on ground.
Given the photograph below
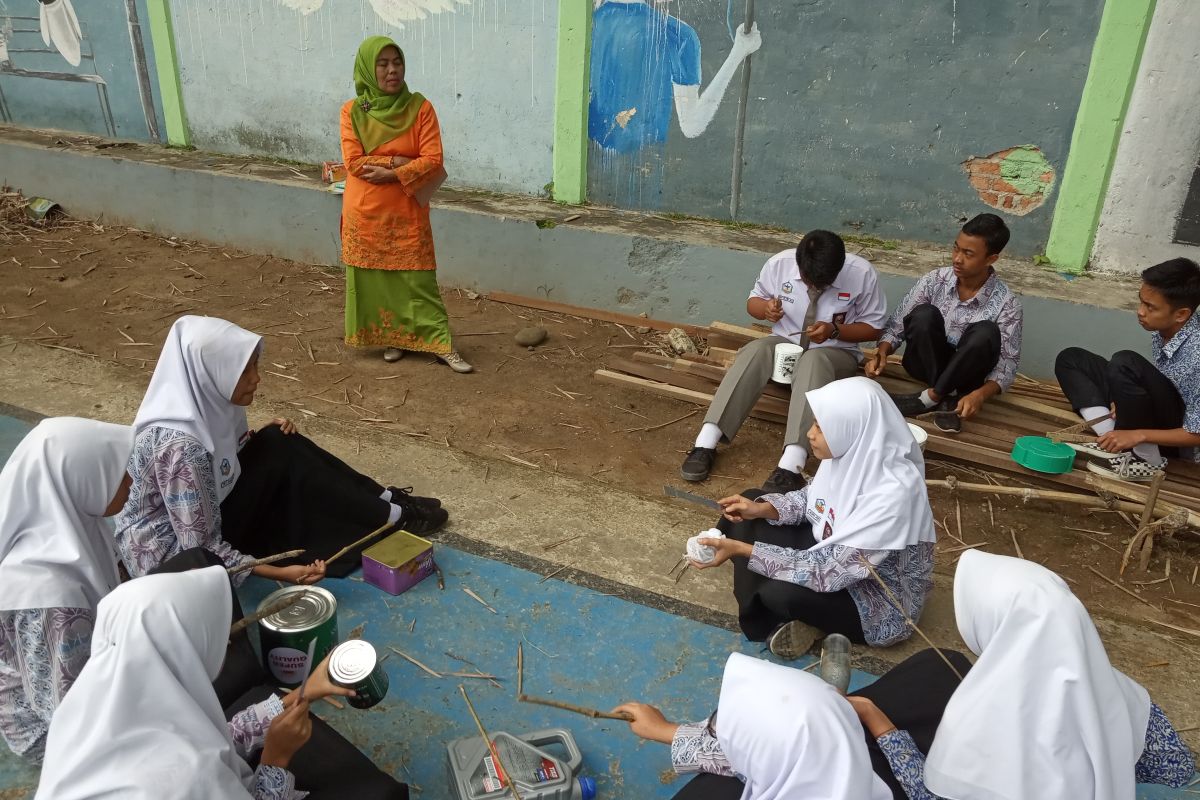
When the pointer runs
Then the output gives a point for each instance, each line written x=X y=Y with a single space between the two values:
x=530 y=337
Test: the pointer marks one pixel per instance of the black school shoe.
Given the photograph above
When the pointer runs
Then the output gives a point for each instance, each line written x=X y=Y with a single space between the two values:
x=406 y=492
x=948 y=422
x=417 y=518
x=782 y=481
x=910 y=405
x=698 y=464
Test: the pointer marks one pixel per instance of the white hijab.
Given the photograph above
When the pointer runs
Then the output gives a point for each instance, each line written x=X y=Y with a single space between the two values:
x=791 y=735
x=199 y=368
x=143 y=722
x=56 y=550
x=1042 y=713
x=871 y=495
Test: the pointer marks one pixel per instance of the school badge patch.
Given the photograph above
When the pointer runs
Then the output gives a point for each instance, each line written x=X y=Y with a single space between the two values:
x=226 y=468
x=787 y=287
x=819 y=506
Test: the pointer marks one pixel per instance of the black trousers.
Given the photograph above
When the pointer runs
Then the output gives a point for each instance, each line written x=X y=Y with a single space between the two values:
x=765 y=603
x=328 y=766
x=241 y=669
x=707 y=786
x=949 y=369
x=914 y=695
x=1144 y=397
x=293 y=495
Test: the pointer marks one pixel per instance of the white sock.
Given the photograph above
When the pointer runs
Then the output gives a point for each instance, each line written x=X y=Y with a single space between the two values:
x=1103 y=426
x=926 y=400
x=793 y=458
x=709 y=436
x=1148 y=452
x=394 y=514
x=386 y=495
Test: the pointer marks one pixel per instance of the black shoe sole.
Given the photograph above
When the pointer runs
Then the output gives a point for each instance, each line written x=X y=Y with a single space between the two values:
x=694 y=477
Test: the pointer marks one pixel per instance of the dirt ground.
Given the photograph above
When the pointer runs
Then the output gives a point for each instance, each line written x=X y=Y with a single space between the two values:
x=113 y=292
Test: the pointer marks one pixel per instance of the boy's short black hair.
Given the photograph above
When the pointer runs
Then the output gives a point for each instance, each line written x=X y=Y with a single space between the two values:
x=820 y=256
x=1178 y=280
x=991 y=229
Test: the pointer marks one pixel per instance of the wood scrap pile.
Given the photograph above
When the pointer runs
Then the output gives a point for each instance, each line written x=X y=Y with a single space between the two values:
x=1030 y=408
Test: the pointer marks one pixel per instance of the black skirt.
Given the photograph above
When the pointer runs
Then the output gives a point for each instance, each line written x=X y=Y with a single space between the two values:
x=765 y=603
x=292 y=495
x=913 y=694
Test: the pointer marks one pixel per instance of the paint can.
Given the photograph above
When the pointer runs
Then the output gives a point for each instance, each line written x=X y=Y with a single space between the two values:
x=355 y=665
x=786 y=356
x=285 y=636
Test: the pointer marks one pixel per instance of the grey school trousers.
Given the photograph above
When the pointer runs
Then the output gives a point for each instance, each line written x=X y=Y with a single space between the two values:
x=751 y=371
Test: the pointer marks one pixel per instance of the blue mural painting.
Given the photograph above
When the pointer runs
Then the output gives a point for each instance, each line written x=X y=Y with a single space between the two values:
x=85 y=68
x=645 y=65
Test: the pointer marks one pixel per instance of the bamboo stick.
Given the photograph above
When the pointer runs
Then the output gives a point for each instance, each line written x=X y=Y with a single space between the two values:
x=896 y=602
x=1148 y=514
x=1028 y=493
x=1129 y=592
x=505 y=775
x=624 y=716
x=360 y=542
x=261 y=561
x=274 y=608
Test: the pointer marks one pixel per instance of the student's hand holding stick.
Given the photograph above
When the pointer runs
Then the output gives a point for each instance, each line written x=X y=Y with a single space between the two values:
x=287 y=734
x=648 y=722
x=1120 y=440
x=302 y=575
x=724 y=549
x=737 y=508
x=875 y=364
x=872 y=718
x=819 y=332
x=969 y=405
x=773 y=312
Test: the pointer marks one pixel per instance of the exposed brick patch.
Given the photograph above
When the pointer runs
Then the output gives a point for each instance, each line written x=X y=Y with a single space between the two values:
x=1015 y=181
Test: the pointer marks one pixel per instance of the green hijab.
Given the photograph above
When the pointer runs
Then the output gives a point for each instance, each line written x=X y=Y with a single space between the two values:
x=378 y=118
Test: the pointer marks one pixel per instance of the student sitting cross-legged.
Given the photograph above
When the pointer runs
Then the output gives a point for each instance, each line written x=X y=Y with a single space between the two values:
x=961 y=330
x=814 y=558
x=1142 y=409
x=820 y=298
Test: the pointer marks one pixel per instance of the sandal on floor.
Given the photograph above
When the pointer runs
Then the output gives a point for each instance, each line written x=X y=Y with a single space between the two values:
x=456 y=362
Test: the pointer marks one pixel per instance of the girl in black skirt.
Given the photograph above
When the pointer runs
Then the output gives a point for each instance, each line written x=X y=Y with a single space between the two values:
x=201 y=478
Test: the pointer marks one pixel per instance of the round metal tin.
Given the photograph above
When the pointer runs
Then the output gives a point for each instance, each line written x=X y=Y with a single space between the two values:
x=286 y=636
x=355 y=665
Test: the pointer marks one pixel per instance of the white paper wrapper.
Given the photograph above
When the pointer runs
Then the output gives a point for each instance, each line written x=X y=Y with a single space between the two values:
x=702 y=554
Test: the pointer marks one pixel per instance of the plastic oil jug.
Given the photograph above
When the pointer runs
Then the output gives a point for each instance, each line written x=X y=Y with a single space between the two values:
x=539 y=774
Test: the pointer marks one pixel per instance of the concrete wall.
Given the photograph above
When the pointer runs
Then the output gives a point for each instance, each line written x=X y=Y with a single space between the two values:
x=1159 y=148
x=297 y=220
x=268 y=77
x=862 y=115
x=94 y=76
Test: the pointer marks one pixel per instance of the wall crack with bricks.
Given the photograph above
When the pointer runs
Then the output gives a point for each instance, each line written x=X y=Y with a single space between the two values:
x=1016 y=180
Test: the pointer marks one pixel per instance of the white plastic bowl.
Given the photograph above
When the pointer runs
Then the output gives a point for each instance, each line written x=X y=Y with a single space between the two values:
x=920 y=435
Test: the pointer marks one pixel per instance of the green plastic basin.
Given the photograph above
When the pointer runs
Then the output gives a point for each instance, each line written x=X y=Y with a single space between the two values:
x=1042 y=455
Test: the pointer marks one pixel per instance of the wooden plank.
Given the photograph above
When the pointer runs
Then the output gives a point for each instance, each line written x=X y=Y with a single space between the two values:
x=628 y=320
x=697 y=383
x=675 y=392
x=722 y=354
x=739 y=330
x=711 y=371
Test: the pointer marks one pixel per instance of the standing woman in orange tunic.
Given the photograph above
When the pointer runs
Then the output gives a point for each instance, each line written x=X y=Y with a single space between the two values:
x=392 y=149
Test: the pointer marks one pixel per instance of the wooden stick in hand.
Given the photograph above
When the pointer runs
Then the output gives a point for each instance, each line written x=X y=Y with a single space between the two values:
x=274 y=608
x=262 y=561
x=378 y=531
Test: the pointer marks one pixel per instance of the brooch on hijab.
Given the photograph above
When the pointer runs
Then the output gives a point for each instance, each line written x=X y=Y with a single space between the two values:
x=365 y=105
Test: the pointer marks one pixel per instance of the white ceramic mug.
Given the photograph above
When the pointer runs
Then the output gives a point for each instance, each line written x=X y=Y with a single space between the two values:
x=786 y=356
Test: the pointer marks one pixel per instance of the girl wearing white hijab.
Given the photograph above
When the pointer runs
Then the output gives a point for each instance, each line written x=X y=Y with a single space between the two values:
x=201 y=478
x=143 y=721
x=1043 y=713
x=778 y=734
x=56 y=563
x=801 y=558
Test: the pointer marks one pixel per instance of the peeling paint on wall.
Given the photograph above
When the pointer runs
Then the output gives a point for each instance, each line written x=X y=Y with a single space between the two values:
x=1016 y=180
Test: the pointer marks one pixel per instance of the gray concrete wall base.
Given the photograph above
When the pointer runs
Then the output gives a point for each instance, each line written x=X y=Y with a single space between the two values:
x=633 y=264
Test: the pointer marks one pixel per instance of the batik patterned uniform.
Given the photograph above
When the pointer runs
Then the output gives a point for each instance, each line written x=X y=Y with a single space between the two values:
x=994 y=302
x=172 y=505
x=248 y=730
x=1179 y=360
x=908 y=573
x=695 y=749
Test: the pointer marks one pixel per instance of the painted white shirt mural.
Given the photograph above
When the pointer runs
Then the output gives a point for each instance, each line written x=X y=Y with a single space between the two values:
x=393 y=12
x=644 y=62
x=60 y=29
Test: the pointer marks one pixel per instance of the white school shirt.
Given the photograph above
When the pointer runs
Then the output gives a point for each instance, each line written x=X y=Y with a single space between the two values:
x=854 y=296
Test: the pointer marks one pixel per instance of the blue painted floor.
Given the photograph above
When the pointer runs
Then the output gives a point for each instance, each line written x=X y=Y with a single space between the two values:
x=581 y=646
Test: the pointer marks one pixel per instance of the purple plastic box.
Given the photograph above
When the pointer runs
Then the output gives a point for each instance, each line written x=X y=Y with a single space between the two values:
x=398 y=563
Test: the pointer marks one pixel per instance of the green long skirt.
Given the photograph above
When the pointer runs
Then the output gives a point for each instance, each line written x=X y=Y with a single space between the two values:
x=396 y=308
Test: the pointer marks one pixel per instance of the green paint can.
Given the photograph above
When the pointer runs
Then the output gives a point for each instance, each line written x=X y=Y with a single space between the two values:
x=355 y=665
x=286 y=636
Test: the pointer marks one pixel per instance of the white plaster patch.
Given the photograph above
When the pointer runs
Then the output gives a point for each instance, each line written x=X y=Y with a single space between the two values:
x=305 y=7
x=398 y=12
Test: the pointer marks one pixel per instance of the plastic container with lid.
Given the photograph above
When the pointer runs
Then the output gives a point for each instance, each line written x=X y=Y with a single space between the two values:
x=536 y=771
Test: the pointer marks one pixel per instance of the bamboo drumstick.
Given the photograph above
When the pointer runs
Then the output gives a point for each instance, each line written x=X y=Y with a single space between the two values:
x=505 y=775
x=274 y=608
x=361 y=541
x=261 y=561
x=624 y=716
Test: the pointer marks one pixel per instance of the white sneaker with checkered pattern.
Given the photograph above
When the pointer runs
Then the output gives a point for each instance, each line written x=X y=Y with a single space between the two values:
x=1090 y=449
x=1126 y=467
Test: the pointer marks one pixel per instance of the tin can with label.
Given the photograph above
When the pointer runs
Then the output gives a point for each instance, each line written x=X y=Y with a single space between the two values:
x=355 y=665
x=286 y=636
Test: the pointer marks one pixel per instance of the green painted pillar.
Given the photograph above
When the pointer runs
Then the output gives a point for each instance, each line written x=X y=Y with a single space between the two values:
x=571 y=91
x=162 y=39
x=1112 y=74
